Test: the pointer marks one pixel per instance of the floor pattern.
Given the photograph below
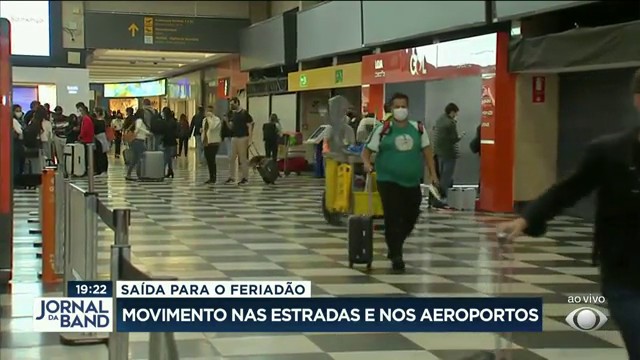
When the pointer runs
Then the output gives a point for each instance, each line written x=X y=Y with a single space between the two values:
x=185 y=229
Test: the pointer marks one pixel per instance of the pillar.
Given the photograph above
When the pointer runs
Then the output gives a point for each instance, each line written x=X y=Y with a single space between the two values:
x=498 y=135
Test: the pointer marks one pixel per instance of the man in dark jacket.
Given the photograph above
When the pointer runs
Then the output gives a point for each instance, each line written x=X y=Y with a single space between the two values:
x=611 y=167
x=196 y=131
x=445 y=146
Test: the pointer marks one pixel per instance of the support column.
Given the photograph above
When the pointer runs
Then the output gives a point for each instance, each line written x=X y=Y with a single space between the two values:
x=373 y=96
x=498 y=132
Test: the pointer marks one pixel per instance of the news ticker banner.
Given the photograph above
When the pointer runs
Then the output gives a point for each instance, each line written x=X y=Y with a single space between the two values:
x=273 y=306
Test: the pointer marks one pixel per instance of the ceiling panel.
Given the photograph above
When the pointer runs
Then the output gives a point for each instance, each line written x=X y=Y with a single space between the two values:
x=108 y=66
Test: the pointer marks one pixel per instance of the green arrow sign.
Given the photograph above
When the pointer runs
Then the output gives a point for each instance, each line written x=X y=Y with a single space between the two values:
x=303 y=81
x=339 y=76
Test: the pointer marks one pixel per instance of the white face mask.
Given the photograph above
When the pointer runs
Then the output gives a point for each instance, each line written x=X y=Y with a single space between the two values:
x=401 y=114
x=18 y=114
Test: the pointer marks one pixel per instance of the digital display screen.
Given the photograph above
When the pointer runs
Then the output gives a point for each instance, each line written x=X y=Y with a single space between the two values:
x=29 y=26
x=143 y=89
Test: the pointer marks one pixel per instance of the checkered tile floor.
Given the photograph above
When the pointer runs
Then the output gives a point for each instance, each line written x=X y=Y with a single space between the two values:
x=183 y=228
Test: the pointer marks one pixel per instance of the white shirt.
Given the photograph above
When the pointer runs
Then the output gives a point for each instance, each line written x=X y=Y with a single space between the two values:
x=17 y=127
x=141 y=131
x=213 y=126
x=374 y=141
x=47 y=131
x=116 y=124
x=362 y=134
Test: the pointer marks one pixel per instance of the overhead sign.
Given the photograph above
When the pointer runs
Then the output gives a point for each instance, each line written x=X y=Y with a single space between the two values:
x=163 y=33
x=331 y=77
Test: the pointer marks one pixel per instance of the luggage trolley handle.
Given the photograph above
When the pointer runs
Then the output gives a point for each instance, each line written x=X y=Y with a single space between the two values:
x=368 y=185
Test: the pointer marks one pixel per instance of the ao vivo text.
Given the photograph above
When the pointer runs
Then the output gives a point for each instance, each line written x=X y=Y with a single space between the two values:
x=586 y=299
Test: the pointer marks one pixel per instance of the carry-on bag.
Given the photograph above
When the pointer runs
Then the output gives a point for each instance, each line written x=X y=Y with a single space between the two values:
x=503 y=349
x=75 y=160
x=152 y=165
x=360 y=232
x=267 y=168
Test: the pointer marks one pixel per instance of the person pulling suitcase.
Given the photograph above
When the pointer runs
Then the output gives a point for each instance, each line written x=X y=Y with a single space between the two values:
x=402 y=150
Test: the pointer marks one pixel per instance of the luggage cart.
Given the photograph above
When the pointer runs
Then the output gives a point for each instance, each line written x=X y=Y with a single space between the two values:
x=293 y=147
x=344 y=193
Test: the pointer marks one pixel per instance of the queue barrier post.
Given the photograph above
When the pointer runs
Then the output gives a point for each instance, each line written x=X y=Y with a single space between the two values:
x=162 y=346
x=49 y=274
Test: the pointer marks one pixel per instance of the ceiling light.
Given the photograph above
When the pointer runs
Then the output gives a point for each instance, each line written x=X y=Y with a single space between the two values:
x=180 y=65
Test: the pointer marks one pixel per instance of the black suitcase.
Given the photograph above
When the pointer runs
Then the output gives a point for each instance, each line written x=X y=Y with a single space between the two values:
x=268 y=170
x=360 y=230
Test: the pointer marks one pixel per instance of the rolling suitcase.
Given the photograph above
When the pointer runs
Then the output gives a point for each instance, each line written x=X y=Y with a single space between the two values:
x=504 y=341
x=360 y=232
x=75 y=160
x=152 y=165
x=267 y=168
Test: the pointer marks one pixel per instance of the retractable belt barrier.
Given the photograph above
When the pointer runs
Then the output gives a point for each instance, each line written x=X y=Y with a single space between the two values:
x=70 y=247
x=162 y=346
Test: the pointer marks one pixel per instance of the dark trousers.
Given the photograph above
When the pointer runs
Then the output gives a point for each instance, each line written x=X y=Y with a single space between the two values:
x=183 y=143
x=118 y=142
x=101 y=161
x=446 y=169
x=210 y=152
x=271 y=149
x=401 y=206
x=624 y=307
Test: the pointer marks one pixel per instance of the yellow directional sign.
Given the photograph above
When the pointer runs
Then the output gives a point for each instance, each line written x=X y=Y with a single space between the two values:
x=133 y=28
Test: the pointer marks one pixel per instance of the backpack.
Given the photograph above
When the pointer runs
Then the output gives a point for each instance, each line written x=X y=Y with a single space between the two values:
x=156 y=125
x=386 y=128
x=30 y=136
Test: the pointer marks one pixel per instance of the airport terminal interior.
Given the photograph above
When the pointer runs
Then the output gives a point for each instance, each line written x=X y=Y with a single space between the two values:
x=273 y=60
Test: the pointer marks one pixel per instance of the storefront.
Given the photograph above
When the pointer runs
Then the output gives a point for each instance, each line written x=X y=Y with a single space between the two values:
x=317 y=86
x=184 y=94
x=119 y=97
x=471 y=73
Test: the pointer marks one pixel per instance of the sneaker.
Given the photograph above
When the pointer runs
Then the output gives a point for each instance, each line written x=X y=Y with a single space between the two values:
x=243 y=182
x=129 y=178
x=229 y=181
x=209 y=182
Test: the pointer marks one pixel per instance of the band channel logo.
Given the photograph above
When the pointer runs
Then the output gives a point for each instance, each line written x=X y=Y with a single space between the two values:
x=586 y=319
x=73 y=315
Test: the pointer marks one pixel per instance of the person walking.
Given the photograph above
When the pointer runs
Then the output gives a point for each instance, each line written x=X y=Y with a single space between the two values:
x=196 y=131
x=271 y=133
x=211 y=138
x=169 y=140
x=402 y=150
x=611 y=168
x=139 y=144
x=116 y=124
x=185 y=135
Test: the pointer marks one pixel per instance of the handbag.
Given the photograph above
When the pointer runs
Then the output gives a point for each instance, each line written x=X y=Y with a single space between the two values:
x=128 y=136
x=110 y=133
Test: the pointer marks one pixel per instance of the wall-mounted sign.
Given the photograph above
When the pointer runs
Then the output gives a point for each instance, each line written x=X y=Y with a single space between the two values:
x=29 y=26
x=164 y=33
x=464 y=57
x=538 y=89
x=223 y=90
x=331 y=77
